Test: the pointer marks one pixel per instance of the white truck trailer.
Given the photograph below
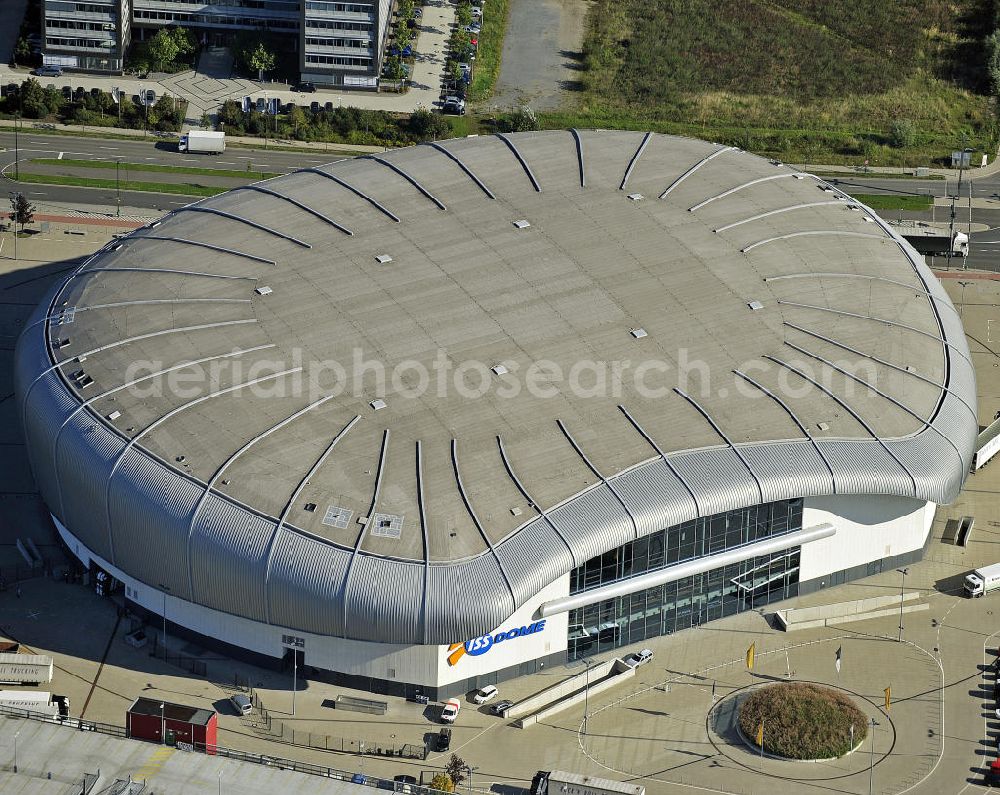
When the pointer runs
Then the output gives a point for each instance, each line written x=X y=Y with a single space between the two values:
x=558 y=782
x=37 y=702
x=982 y=581
x=202 y=142
x=25 y=669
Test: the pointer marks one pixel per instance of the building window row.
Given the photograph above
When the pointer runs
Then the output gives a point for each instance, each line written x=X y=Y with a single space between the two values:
x=348 y=8
x=360 y=44
x=290 y=25
x=688 y=602
x=72 y=24
x=81 y=44
x=325 y=24
x=289 y=7
x=337 y=60
x=78 y=8
x=687 y=541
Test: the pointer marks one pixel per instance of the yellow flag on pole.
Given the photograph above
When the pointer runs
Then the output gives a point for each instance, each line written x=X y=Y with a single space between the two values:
x=750 y=654
x=760 y=734
x=888 y=698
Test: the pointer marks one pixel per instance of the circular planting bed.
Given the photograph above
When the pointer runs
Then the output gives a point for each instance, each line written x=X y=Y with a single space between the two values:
x=802 y=721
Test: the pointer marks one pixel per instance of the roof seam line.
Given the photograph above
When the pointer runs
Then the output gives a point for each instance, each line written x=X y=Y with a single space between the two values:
x=579 y=156
x=479 y=525
x=725 y=438
x=695 y=167
x=201 y=244
x=280 y=524
x=541 y=511
x=210 y=485
x=663 y=455
x=356 y=191
x=233 y=217
x=850 y=410
x=296 y=202
x=635 y=159
x=596 y=471
x=468 y=171
x=412 y=180
x=521 y=160
x=383 y=453
x=796 y=420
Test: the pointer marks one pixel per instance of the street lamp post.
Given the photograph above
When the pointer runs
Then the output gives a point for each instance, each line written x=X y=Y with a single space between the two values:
x=163 y=724
x=902 y=583
x=118 y=191
x=15 y=749
x=586 y=699
x=871 y=764
x=221 y=771
x=17 y=156
x=295 y=677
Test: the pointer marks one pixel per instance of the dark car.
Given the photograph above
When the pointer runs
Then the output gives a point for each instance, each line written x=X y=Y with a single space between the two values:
x=305 y=88
x=67 y=92
x=328 y=106
x=315 y=107
x=358 y=778
x=444 y=739
x=500 y=706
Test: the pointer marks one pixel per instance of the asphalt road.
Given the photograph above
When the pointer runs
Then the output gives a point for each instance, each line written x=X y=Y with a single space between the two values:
x=33 y=144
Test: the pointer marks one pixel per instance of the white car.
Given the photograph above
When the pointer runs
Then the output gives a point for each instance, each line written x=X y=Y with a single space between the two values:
x=485 y=694
x=637 y=658
x=450 y=711
x=241 y=704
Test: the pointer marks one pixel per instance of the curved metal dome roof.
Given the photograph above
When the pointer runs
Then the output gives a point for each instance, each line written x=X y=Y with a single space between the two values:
x=203 y=400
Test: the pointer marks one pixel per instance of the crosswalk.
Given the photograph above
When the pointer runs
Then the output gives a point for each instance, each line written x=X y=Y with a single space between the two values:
x=153 y=764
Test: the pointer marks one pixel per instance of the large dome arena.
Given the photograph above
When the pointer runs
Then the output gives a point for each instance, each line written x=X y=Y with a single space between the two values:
x=482 y=395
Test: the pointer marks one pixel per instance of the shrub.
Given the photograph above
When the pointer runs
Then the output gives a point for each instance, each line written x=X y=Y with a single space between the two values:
x=902 y=133
x=802 y=721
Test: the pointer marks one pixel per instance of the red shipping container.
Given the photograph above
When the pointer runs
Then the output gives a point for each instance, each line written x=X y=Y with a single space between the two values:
x=163 y=722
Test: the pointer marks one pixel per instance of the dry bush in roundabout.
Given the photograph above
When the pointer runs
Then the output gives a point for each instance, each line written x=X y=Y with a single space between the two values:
x=802 y=721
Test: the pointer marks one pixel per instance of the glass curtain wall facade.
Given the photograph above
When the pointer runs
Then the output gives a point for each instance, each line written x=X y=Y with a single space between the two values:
x=690 y=601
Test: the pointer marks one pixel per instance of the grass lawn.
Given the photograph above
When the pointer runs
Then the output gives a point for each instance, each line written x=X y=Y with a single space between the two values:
x=882 y=201
x=490 y=49
x=188 y=189
x=137 y=167
x=797 y=80
x=802 y=721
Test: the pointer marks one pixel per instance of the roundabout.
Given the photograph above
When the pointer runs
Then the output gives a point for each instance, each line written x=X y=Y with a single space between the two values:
x=801 y=721
x=685 y=730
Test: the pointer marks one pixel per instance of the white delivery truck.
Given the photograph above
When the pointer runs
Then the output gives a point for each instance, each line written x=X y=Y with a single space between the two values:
x=558 y=782
x=25 y=669
x=202 y=142
x=982 y=580
x=39 y=703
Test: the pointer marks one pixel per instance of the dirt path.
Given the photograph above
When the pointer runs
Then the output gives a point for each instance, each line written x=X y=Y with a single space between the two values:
x=540 y=66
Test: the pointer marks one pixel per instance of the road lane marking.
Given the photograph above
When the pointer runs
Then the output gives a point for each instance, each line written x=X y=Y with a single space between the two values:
x=113 y=148
x=60 y=156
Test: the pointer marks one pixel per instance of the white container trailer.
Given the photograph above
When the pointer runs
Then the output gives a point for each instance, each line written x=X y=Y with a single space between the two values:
x=25 y=669
x=559 y=782
x=38 y=702
x=202 y=142
x=982 y=581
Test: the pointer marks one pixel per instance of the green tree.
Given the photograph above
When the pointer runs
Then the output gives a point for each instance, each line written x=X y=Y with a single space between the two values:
x=902 y=133
x=262 y=60
x=21 y=210
x=405 y=9
x=991 y=51
x=162 y=49
x=394 y=68
x=22 y=50
x=442 y=782
x=455 y=769
x=53 y=99
x=424 y=125
x=33 y=99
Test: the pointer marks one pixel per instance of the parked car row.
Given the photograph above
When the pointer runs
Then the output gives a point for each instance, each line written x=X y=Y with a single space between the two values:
x=461 y=58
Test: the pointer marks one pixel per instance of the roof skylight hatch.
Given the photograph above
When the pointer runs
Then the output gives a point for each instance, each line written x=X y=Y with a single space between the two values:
x=383 y=259
x=522 y=224
x=638 y=333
